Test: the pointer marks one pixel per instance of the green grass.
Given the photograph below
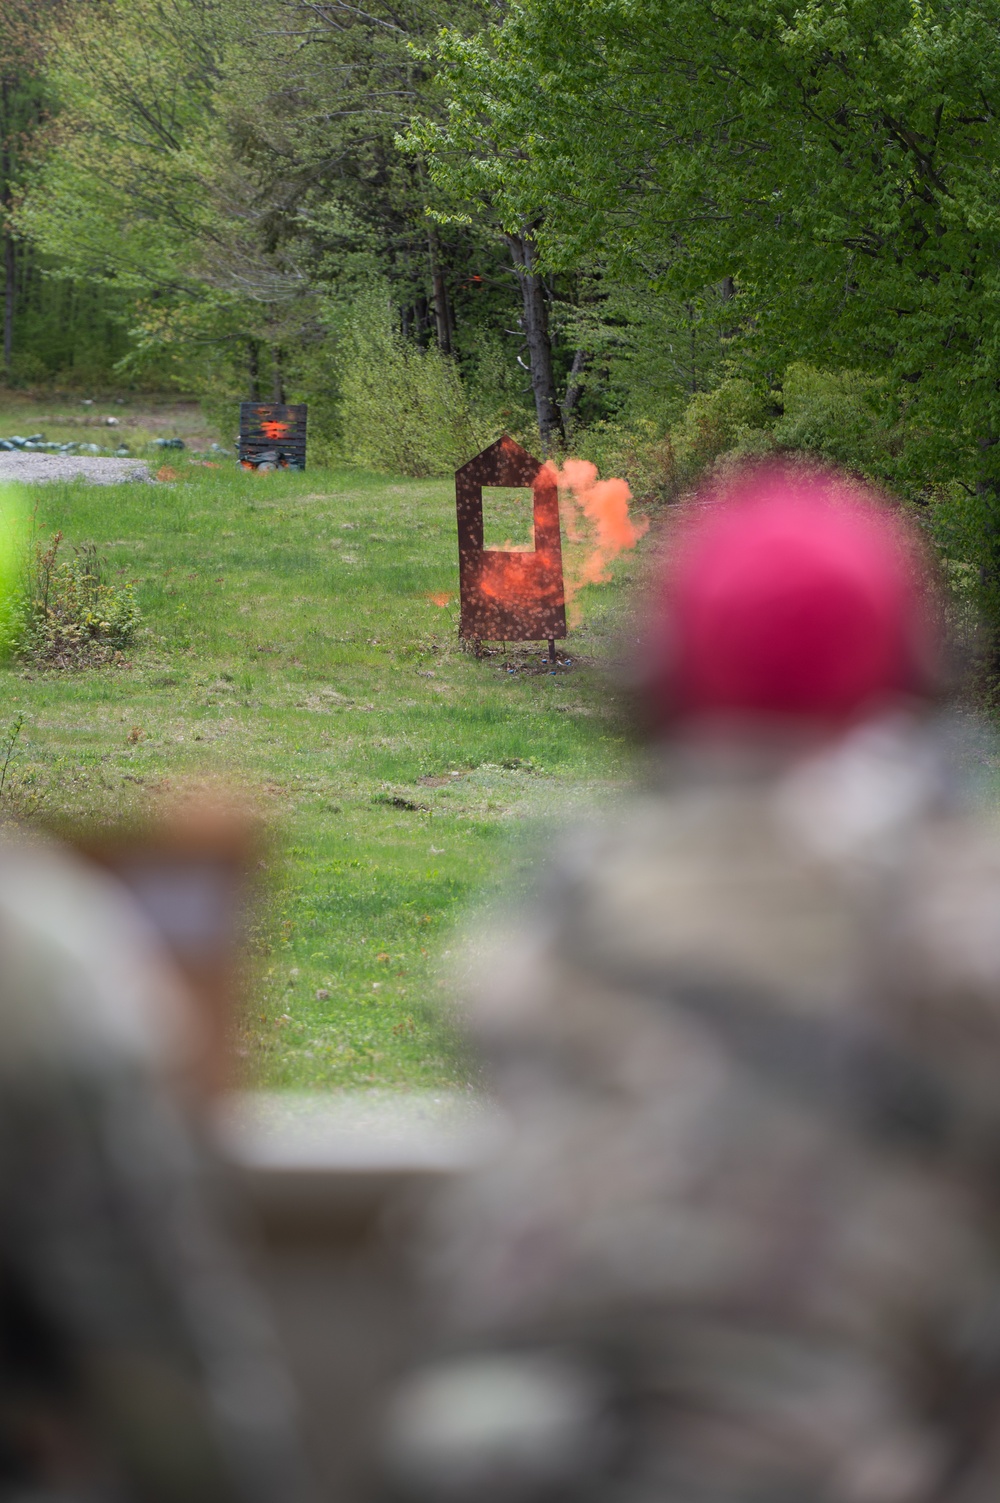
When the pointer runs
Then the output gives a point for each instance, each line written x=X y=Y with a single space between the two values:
x=291 y=645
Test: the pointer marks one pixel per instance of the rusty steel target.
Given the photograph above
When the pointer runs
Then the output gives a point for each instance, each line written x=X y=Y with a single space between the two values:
x=507 y=595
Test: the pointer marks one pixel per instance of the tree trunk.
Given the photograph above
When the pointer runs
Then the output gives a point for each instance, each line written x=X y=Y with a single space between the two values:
x=253 y=368
x=278 y=375
x=422 y=321
x=442 y=308
x=574 y=386
x=8 y=302
x=535 y=322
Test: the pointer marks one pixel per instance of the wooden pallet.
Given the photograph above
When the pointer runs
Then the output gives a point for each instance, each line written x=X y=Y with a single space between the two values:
x=273 y=428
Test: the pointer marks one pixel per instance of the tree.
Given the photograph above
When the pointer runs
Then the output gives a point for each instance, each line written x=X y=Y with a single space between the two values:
x=24 y=26
x=233 y=165
x=317 y=99
x=323 y=132
x=140 y=186
x=837 y=160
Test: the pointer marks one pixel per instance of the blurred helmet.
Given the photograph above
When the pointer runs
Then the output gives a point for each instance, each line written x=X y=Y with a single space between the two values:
x=792 y=592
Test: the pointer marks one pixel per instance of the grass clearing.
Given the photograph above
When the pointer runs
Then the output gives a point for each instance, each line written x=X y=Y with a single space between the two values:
x=291 y=643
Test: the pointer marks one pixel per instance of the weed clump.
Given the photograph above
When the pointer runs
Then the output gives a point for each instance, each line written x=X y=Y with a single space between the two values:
x=73 y=617
x=20 y=794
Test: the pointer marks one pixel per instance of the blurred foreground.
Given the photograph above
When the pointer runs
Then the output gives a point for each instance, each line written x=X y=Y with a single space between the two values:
x=729 y=1231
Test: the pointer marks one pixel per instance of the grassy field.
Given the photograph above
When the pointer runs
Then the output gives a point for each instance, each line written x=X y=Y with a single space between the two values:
x=291 y=644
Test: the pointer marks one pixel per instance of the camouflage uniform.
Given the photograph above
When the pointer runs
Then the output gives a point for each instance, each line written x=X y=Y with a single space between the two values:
x=134 y=1360
x=749 y=1045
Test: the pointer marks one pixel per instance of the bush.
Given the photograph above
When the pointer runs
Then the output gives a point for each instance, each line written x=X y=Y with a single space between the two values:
x=832 y=415
x=835 y=414
x=634 y=451
x=730 y=419
x=26 y=369
x=72 y=617
x=403 y=409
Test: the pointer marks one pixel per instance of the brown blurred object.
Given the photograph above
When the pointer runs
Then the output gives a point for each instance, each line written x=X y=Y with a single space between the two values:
x=190 y=871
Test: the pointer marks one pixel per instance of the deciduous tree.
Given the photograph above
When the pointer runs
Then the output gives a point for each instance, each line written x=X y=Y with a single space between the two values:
x=838 y=159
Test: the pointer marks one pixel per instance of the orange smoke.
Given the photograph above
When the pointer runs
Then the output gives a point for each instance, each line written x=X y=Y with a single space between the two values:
x=272 y=429
x=598 y=526
x=440 y=600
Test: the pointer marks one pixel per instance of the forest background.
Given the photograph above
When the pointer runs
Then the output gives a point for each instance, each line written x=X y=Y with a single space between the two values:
x=654 y=232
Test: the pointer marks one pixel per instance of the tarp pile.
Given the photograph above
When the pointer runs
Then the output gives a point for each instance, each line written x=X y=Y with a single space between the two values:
x=37 y=443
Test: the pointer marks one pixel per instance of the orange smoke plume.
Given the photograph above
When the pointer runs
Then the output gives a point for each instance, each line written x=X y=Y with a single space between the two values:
x=598 y=527
x=440 y=600
x=272 y=429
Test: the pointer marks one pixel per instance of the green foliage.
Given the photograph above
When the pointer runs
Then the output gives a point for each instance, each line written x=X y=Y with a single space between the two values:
x=68 y=332
x=731 y=420
x=499 y=390
x=777 y=231
x=648 y=352
x=73 y=616
x=403 y=409
x=635 y=450
x=839 y=415
x=714 y=423
x=230 y=196
x=140 y=189
x=58 y=328
x=837 y=161
x=123 y=193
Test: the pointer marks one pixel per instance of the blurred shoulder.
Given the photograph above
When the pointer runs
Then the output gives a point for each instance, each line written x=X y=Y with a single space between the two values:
x=81 y=973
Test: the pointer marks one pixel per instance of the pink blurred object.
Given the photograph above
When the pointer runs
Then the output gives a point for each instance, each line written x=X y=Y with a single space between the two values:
x=792 y=593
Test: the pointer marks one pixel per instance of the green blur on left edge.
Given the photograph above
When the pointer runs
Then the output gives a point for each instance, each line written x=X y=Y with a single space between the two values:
x=15 y=541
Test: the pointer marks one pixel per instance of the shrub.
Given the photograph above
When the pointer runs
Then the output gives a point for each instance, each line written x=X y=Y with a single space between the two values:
x=26 y=369
x=72 y=617
x=733 y=416
x=658 y=466
x=633 y=450
x=835 y=414
x=403 y=409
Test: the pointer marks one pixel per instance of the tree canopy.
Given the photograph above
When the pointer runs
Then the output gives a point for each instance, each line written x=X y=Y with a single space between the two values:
x=655 y=231
x=837 y=161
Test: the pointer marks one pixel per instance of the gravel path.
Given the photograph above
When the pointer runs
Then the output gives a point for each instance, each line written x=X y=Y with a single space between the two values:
x=31 y=468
